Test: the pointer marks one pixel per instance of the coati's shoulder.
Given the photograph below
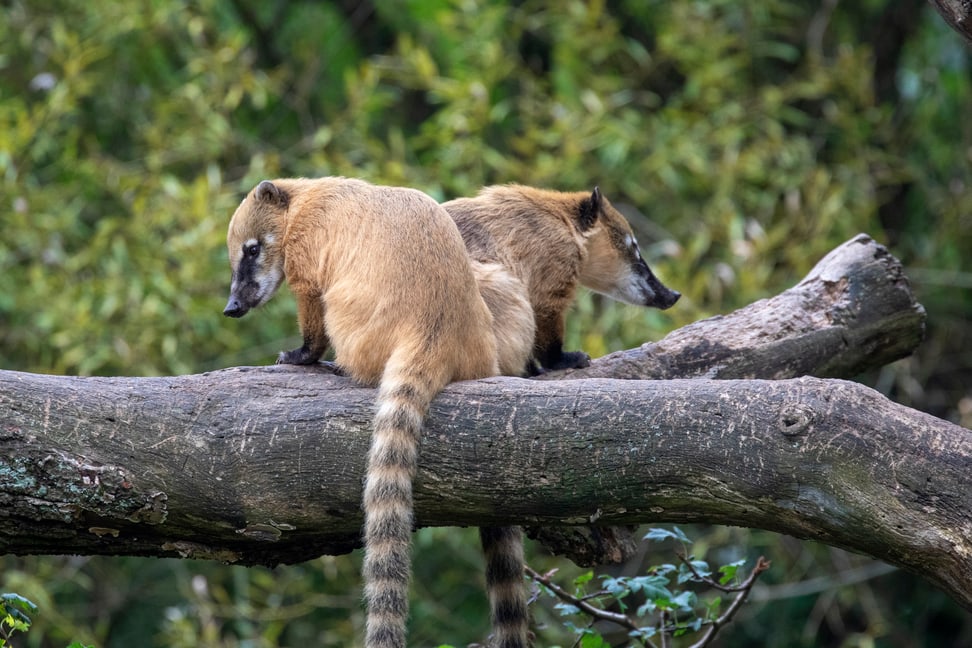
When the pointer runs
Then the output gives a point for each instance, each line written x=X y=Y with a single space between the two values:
x=270 y=206
x=525 y=228
x=521 y=205
x=309 y=194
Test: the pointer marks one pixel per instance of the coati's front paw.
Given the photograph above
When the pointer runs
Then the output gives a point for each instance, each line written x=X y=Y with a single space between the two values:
x=570 y=360
x=301 y=356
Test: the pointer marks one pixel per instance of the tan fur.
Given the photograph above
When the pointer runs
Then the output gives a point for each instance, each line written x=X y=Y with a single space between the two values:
x=552 y=241
x=355 y=250
x=381 y=275
x=513 y=324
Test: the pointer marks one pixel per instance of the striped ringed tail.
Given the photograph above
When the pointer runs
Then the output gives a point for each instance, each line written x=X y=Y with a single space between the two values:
x=503 y=549
x=388 y=510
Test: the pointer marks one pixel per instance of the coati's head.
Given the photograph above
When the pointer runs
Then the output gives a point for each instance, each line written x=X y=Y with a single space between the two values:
x=614 y=266
x=254 y=245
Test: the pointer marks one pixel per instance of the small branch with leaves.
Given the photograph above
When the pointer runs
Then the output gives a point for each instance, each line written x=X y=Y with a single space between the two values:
x=741 y=590
x=663 y=613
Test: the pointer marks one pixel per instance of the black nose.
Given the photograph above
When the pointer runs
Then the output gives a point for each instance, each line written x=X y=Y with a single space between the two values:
x=672 y=297
x=234 y=308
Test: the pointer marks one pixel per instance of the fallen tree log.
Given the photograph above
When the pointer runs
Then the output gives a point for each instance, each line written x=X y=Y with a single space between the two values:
x=183 y=466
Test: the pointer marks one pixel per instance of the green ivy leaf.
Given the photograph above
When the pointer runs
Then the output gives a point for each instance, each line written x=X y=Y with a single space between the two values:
x=728 y=572
x=584 y=578
x=685 y=601
x=646 y=608
x=570 y=625
x=652 y=582
x=617 y=587
x=11 y=601
x=646 y=632
x=659 y=535
x=594 y=641
x=664 y=569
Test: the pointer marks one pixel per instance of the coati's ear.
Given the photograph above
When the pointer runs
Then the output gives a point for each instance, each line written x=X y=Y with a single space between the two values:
x=268 y=192
x=589 y=210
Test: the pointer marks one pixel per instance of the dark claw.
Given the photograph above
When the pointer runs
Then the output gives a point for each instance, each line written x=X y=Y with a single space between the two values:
x=301 y=356
x=570 y=360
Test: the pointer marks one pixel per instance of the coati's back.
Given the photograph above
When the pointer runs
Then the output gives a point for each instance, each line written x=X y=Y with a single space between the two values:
x=394 y=277
x=529 y=230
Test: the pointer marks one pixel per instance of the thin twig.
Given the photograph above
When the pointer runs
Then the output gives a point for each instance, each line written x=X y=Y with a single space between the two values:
x=596 y=612
x=666 y=640
x=761 y=565
x=708 y=580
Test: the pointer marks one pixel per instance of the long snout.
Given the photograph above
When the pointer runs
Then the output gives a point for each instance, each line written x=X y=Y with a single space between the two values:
x=667 y=298
x=235 y=308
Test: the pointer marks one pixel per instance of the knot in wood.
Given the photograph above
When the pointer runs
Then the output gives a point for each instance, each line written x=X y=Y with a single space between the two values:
x=795 y=419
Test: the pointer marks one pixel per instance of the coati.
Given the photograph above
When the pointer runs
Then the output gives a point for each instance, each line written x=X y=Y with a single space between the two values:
x=551 y=241
x=381 y=275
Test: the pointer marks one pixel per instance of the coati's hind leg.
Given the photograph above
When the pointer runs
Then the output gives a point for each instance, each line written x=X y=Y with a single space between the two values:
x=503 y=549
x=310 y=316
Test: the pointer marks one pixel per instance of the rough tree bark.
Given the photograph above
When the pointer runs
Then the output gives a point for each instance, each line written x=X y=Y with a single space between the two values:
x=264 y=465
x=958 y=14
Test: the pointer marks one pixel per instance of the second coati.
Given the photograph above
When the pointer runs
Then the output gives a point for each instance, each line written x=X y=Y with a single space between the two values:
x=552 y=241
x=382 y=276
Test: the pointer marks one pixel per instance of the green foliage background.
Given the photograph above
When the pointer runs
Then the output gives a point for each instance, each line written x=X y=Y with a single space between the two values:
x=744 y=139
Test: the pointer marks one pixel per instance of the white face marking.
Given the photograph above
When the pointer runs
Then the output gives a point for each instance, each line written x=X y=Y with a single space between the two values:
x=630 y=289
x=250 y=242
x=269 y=283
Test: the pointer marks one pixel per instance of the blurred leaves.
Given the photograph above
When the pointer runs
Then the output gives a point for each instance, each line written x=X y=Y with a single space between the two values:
x=743 y=140
x=123 y=166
